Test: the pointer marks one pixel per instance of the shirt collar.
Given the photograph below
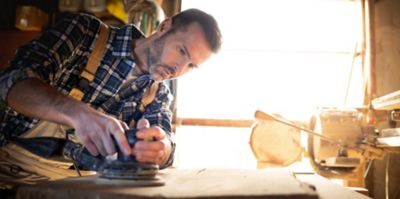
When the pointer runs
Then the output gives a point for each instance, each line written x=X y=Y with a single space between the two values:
x=122 y=45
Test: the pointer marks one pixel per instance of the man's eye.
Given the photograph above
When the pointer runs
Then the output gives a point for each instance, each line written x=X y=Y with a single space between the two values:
x=192 y=65
x=182 y=52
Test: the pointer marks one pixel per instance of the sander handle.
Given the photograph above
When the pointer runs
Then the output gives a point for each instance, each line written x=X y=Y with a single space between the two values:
x=130 y=135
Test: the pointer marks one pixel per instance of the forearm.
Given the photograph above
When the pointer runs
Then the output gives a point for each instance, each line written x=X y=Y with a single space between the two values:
x=34 y=98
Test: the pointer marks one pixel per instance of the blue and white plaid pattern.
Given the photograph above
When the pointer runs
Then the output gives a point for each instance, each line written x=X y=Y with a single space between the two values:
x=58 y=57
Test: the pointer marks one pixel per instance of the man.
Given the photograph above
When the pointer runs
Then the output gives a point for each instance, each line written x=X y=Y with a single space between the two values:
x=38 y=80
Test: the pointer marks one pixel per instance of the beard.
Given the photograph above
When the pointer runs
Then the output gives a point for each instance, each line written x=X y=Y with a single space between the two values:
x=157 y=70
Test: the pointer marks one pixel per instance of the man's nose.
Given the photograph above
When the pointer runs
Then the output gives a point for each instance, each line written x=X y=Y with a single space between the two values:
x=179 y=67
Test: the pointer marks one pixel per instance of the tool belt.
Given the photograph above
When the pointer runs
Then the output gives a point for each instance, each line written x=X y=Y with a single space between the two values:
x=28 y=159
x=49 y=150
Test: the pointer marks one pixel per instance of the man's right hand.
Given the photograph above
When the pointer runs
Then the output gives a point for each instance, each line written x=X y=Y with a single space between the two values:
x=34 y=98
x=95 y=131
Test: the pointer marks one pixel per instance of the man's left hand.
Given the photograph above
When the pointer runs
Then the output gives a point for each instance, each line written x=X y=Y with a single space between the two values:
x=153 y=147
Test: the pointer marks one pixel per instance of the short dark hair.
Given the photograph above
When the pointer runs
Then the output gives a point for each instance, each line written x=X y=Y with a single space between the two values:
x=206 y=22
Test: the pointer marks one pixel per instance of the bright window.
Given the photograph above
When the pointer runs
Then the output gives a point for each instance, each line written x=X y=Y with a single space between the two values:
x=285 y=57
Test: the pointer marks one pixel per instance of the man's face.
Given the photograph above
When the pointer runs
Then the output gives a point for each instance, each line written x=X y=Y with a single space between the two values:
x=175 y=54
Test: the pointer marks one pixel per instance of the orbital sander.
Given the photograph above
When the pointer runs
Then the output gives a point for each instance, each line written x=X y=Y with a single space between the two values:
x=128 y=168
x=119 y=169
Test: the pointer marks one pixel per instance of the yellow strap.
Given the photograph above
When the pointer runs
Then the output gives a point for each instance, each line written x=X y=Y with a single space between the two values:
x=148 y=96
x=76 y=94
x=93 y=63
x=94 y=60
x=99 y=49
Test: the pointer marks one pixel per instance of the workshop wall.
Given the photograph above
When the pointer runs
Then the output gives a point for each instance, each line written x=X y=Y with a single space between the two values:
x=387 y=43
x=387 y=52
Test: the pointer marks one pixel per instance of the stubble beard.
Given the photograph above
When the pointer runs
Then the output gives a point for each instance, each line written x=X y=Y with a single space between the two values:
x=153 y=59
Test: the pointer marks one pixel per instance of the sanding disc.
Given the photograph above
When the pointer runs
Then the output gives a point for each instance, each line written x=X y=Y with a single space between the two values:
x=156 y=181
x=128 y=170
x=130 y=173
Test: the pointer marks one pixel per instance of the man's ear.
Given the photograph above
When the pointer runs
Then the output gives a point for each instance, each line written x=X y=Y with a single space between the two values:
x=165 y=25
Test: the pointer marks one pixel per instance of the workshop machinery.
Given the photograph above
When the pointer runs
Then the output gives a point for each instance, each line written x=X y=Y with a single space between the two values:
x=341 y=141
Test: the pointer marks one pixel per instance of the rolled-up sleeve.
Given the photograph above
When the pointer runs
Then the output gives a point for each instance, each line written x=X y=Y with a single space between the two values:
x=8 y=79
x=44 y=56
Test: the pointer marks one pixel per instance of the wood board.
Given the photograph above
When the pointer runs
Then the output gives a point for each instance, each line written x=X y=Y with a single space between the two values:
x=180 y=183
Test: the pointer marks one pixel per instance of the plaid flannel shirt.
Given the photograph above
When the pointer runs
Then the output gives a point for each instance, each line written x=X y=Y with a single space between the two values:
x=59 y=55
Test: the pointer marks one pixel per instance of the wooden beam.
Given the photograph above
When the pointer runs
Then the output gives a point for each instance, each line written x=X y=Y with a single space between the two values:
x=214 y=122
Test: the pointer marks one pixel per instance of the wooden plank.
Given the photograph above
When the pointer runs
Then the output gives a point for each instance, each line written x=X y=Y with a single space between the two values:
x=179 y=183
x=390 y=101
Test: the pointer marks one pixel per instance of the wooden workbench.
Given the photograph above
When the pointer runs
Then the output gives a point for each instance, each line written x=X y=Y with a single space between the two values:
x=198 y=183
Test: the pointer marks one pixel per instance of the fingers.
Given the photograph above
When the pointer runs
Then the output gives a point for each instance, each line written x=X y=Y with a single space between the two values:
x=147 y=133
x=101 y=144
x=152 y=148
x=151 y=157
x=92 y=142
x=150 y=133
x=97 y=141
x=101 y=139
x=150 y=152
x=106 y=146
x=124 y=125
x=91 y=148
x=100 y=133
x=119 y=135
x=143 y=123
